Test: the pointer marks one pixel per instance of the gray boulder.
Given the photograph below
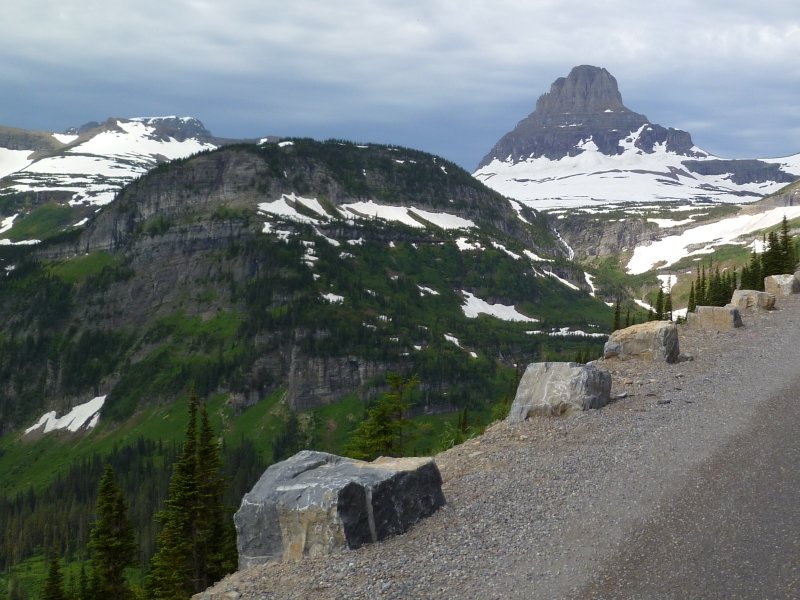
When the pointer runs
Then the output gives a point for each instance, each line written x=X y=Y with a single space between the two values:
x=752 y=300
x=715 y=317
x=782 y=285
x=557 y=388
x=654 y=340
x=314 y=504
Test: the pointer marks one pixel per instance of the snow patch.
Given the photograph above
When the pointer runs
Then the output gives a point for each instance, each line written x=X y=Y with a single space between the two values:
x=474 y=306
x=84 y=415
x=669 y=250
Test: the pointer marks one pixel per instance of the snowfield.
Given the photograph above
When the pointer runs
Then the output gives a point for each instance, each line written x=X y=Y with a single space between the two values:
x=669 y=250
x=592 y=177
x=474 y=306
x=82 y=416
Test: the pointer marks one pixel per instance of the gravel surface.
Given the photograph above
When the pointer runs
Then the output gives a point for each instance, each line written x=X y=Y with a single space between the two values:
x=541 y=509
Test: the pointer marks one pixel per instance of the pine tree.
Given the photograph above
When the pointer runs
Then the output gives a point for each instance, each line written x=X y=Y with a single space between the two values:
x=172 y=569
x=659 y=312
x=668 y=306
x=196 y=545
x=111 y=542
x=381 y=433
x=216 y=546
x=54 y=584
x=700 y=288
x=692 y=302
x=617 y=315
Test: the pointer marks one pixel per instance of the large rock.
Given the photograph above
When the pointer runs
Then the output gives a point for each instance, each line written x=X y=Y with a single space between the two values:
x=752 y=300
x=715 y=317
x=782 y=285
x=654 y=340
x=314 y=504
x=557 y=388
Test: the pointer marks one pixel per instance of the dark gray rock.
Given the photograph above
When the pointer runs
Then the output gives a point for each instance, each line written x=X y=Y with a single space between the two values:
x=314 y=504
x=585 y=104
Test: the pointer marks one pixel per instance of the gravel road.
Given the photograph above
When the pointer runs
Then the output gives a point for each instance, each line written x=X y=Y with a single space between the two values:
x=597 y=505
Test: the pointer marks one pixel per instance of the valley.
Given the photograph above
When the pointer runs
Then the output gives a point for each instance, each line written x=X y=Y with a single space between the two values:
x=283 y=279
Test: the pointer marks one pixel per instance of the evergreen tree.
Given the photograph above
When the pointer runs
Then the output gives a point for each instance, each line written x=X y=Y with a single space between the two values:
x=668 y=306
x=196 y=546
x=617 y=315
x=83 y=592
x=381 y=433
x=54 y=584
x=111 y=542
x=692 y=304
x=756 y=276
x=628 y=317
x=659 y=312
x=216 y=546
x=700 y=288
x=787 y=253
x=172 y=569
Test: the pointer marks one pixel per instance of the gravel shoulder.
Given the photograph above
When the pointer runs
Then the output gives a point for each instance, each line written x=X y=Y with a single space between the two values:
x=540 y=509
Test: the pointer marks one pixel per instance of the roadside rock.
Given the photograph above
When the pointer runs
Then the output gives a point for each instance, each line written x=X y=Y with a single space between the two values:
x=553 y=388
x=314 y=504
x=655 y=340
x=752 y=299
x=782 y=285
x=715 y=317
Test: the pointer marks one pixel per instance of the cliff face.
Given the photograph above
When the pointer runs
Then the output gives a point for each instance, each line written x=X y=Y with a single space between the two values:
x=584 y=105
x=255 y=268
x=582 y=145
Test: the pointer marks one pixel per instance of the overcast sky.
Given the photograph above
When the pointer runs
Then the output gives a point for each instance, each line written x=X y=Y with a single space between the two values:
x=445 y=76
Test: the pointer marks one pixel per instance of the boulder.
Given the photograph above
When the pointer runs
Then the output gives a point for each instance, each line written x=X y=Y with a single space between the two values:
x=557 y=388
x=782 y=285
x=314 y=504
x=752 y=300
x=654 y=340
x=715 y=317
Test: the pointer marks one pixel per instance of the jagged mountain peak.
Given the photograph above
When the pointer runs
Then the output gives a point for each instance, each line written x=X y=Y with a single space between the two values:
x=584 y=106
x=582 y=145
x=586 y=89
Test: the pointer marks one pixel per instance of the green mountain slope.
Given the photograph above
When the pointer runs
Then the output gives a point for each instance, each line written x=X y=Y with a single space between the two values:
x=284 y=282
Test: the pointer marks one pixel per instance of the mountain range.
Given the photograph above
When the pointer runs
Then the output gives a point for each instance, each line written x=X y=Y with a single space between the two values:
x=283 y=278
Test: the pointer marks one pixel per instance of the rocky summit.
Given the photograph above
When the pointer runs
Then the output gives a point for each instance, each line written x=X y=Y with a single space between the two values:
x=586 y=104
x=582 y=145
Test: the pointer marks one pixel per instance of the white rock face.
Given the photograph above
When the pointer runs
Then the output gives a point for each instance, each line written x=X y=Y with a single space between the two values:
x=558 y=388
x=752 y=300
x=782 y=285
x=719 y=318
x=655 y=340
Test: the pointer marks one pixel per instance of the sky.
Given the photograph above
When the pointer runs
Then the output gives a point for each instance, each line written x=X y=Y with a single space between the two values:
x=445 y=76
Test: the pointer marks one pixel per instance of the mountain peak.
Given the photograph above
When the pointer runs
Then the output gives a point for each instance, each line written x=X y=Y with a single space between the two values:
x=585 y=106
x=586 y=89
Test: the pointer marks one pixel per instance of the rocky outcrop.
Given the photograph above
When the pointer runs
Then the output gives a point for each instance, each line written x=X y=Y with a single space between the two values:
x=315 y=504
x=782 y=285
x=558 y=388
x=752 y=300
x=586 y=104
x=655 y=340
x=715 y=317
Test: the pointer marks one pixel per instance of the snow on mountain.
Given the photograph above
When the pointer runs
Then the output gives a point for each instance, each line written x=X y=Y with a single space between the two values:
x=96 y=163
x=13 y=160
x=297 y=208
x=474 y=307
x=83 y=416
x=633 y=175
x=582 y=146
x=669 y=250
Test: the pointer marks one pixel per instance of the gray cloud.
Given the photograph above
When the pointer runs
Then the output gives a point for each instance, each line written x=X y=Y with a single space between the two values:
x=446 y=76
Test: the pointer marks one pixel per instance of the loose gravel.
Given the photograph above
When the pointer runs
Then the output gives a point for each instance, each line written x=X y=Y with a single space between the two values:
x=534 y=509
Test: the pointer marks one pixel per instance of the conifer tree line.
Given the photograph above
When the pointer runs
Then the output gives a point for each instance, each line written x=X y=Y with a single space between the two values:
x=712 y=288
x=195 y=546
